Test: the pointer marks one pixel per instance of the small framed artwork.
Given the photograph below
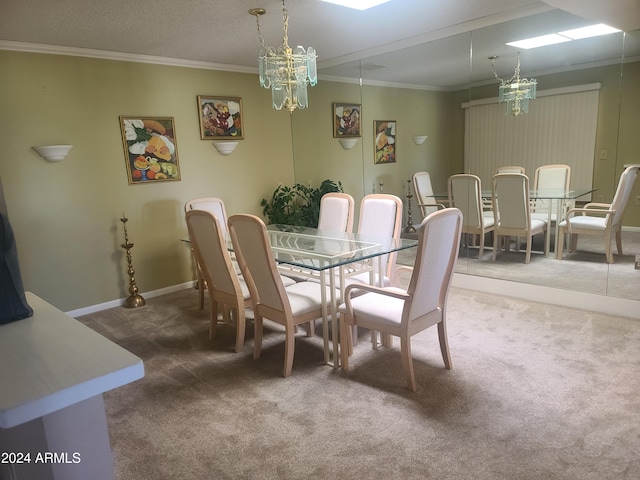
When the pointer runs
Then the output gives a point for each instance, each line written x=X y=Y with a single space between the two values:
x=150 y=149
x=346 y=119
x=220 y=118
x=384 y=134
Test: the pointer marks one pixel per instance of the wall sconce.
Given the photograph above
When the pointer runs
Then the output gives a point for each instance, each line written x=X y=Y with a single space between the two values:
x=53 y=153
x=225 y=148
x=348 y=143
x=419 y=139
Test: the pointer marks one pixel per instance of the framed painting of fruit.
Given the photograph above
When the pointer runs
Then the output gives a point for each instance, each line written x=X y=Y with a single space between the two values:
x=220 y=118
x=384 y=134
x=150 y=149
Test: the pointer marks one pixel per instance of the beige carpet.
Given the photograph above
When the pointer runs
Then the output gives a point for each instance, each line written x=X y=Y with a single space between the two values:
x=537 y=392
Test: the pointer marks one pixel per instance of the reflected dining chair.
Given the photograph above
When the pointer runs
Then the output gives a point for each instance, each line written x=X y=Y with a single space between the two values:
x=600 y=219
x=299 y=303
x=223 y=284
x=424 y=193
x=336 y=212
x=555 y=177
x=404 y=313
x=465 y=194
x=512 y=217
x=215 y=206
x=510 y=169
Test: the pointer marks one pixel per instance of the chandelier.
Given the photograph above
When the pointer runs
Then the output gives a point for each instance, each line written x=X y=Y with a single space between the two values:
x=284 y=70
x=516 y=91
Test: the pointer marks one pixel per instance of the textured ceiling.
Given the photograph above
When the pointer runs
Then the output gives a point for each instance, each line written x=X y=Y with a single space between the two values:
x=416 y=42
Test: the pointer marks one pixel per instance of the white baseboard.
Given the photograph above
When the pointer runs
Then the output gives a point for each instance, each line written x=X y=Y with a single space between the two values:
x=554 y=296
x=120 y=302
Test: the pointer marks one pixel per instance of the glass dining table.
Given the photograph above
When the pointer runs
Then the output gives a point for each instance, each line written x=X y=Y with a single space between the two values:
x=330 y=257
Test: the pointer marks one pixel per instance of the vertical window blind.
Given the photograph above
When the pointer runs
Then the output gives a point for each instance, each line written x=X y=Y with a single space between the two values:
x=559 y=128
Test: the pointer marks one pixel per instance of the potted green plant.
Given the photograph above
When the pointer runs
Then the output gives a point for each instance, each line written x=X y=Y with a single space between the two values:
x=297 y=205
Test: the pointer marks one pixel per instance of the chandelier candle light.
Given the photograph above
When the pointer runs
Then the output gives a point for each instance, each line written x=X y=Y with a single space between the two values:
x=516 y=91
x=284 y=70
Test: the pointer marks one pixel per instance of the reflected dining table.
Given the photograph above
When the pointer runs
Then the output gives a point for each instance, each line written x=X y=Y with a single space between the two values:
x=556 y=201
x=325 y=257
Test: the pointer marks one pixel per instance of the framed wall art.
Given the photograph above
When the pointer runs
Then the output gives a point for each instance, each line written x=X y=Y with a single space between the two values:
x=220 y=118
x=346 y=119
x=150 y=149
x=384 y=134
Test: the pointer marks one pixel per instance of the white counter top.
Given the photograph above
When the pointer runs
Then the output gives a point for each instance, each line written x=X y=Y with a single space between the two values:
x=50 y=361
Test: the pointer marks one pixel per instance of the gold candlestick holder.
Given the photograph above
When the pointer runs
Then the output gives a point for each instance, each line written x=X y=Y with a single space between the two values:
x=409 y=228
x=134 y=299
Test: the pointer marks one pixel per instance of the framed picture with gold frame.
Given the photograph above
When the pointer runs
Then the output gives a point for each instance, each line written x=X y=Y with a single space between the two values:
x=346 y=119
x=150 y=149
x=384 y=134
x=220 y=118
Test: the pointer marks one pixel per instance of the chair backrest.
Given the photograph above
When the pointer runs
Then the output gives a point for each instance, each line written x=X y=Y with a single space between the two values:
x=210 y=249
x=336 y=212
x=253 y=252
x=424 y=192
x=553 y=177
x=466 y=195
x=381 y=216
x=510 y=194
x=210 y=204
x=436 y=257
x=510 y=169
x=623 y=193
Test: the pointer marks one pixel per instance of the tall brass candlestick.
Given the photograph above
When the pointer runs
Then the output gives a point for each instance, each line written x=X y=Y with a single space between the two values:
x=409 y=228
x=134 y=299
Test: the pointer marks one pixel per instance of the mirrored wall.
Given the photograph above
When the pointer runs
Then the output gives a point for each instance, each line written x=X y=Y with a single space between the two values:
x=427 y=89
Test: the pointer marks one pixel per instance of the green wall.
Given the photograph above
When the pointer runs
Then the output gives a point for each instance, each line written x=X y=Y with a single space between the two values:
x=65 y=215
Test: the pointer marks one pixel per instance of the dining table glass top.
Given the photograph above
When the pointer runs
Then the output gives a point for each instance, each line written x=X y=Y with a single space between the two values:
x=320 y=250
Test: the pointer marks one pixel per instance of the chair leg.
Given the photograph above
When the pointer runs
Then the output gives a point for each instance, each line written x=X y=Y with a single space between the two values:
x=560 y=242
x=311 y=327
x=496 y=241
x=619 y=241
x=527 y=257
x=444 y=344
x=345 y=341
x=607 y=249
x=240 y=328
x=574 y=242
x=289 y=346
x=481 y=246
x=407 y=362
x=257 y=336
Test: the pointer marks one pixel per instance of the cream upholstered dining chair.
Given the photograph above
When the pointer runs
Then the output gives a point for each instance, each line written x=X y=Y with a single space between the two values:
x=299 y=303
x=424 y=193
x=510 y=196
x=336 y=212
x=215 y=206
x=380 y=217
x=601 y=219
x=555 y=177
x=224 y=286
x=465 y=193
x=404 y=313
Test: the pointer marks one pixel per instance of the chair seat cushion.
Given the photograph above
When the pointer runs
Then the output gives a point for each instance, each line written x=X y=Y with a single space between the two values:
x=378 y=308
x=537 y=225
x=586 y=222
x=305 y=297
